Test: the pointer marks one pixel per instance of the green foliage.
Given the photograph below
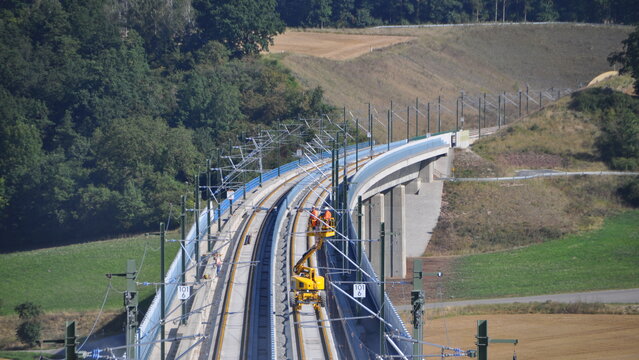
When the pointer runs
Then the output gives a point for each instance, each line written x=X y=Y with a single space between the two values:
x=630 y=192
x=628 y=58
x=246 y=27
x=618 y=116
x=107 y=107
x=28 y=310
x=28 y=332
x=341 y=13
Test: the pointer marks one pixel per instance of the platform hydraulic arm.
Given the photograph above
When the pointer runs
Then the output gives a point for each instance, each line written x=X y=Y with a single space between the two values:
x=308 y=284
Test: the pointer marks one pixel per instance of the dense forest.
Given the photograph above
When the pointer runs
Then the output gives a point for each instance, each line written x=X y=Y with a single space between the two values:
x=359 y=13
x=108 y=107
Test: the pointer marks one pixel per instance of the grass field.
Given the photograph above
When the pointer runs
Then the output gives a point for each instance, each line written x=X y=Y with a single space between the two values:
x=73 y=277
x=607 y=258
x=16 y=355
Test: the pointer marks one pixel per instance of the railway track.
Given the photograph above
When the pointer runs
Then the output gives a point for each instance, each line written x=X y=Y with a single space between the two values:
x=254 y=319
x=230 y=339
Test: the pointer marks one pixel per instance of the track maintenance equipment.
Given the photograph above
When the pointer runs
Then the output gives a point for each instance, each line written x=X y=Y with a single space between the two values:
x=308 y=284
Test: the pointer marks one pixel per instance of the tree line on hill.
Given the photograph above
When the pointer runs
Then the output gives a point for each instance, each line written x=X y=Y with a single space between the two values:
x=361 y=13
x=108 y=108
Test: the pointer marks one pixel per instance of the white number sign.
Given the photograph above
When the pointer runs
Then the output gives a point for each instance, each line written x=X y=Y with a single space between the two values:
x=359 y=290
x=184 y=292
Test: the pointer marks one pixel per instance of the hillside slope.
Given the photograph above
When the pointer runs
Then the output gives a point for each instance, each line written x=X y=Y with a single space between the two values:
x=446 y=60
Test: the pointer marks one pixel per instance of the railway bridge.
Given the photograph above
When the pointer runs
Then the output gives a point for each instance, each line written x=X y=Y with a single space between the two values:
x=244 y=310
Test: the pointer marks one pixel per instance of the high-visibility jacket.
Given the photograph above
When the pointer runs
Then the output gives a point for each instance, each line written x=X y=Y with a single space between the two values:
x=314 y=217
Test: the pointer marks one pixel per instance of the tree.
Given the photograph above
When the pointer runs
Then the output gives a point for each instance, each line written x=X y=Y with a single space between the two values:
x=28 y=310
x=246 y=27
x=628 y=58
x=29 y=330
x=619 y=142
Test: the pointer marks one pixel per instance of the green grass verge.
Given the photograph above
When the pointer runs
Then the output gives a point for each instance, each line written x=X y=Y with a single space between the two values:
x=604 y=259
x=19 y=355
x=73 y=277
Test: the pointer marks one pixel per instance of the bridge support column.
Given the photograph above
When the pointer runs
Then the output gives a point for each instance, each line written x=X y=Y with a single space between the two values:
x=376 y=218
x=398 y=231
x=427 y=171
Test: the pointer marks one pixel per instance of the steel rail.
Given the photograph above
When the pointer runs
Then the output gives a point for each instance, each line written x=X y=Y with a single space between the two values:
x=320 y=198
x=256 y=340
x=219 y=339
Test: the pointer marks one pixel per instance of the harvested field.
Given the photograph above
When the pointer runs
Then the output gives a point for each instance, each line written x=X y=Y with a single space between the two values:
x=544 y=337
x=444 y=61
x=332 y=46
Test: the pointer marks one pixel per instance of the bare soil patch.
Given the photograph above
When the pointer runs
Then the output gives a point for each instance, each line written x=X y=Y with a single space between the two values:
x=53 y=326
x=332 y=46
x=543 y=336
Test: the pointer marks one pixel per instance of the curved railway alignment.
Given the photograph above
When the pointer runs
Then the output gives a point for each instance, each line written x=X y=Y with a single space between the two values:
x=246 y=324
x=229 y=337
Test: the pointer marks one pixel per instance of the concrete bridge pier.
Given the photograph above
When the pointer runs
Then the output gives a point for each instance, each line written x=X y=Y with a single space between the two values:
x=375 y=219
x=397 y=237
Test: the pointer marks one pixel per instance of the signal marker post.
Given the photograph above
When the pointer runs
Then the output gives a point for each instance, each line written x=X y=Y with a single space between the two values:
x=418 y=299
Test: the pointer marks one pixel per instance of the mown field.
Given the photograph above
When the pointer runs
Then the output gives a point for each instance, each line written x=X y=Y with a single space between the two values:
x=596 y=260
x=69 y=282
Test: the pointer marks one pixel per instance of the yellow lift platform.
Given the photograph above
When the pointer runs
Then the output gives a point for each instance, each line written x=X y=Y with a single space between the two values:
x=308 y=284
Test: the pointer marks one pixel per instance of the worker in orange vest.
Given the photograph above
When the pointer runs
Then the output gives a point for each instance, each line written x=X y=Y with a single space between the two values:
x=314 y=217
x=327 y=216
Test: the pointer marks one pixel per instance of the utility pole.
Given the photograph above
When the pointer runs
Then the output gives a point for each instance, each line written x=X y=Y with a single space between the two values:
x=462 y=109
x=196 y=214
x=479 y=115
x=407 y=123
x=520 y=103
x=131 y=307
x=69 y=341
x=418 y=300
x=382 y=325
x=357 y=144
x=209 y=245
x=416 y=117
x=457 y=115
x=370 y=129
x=439 y=113
x=483 y=340
x=505 y=107
x=183 y=255
x=428 y=118
x=131 y=304
x=499 y=113
x=388 y=132
x=162 y=294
